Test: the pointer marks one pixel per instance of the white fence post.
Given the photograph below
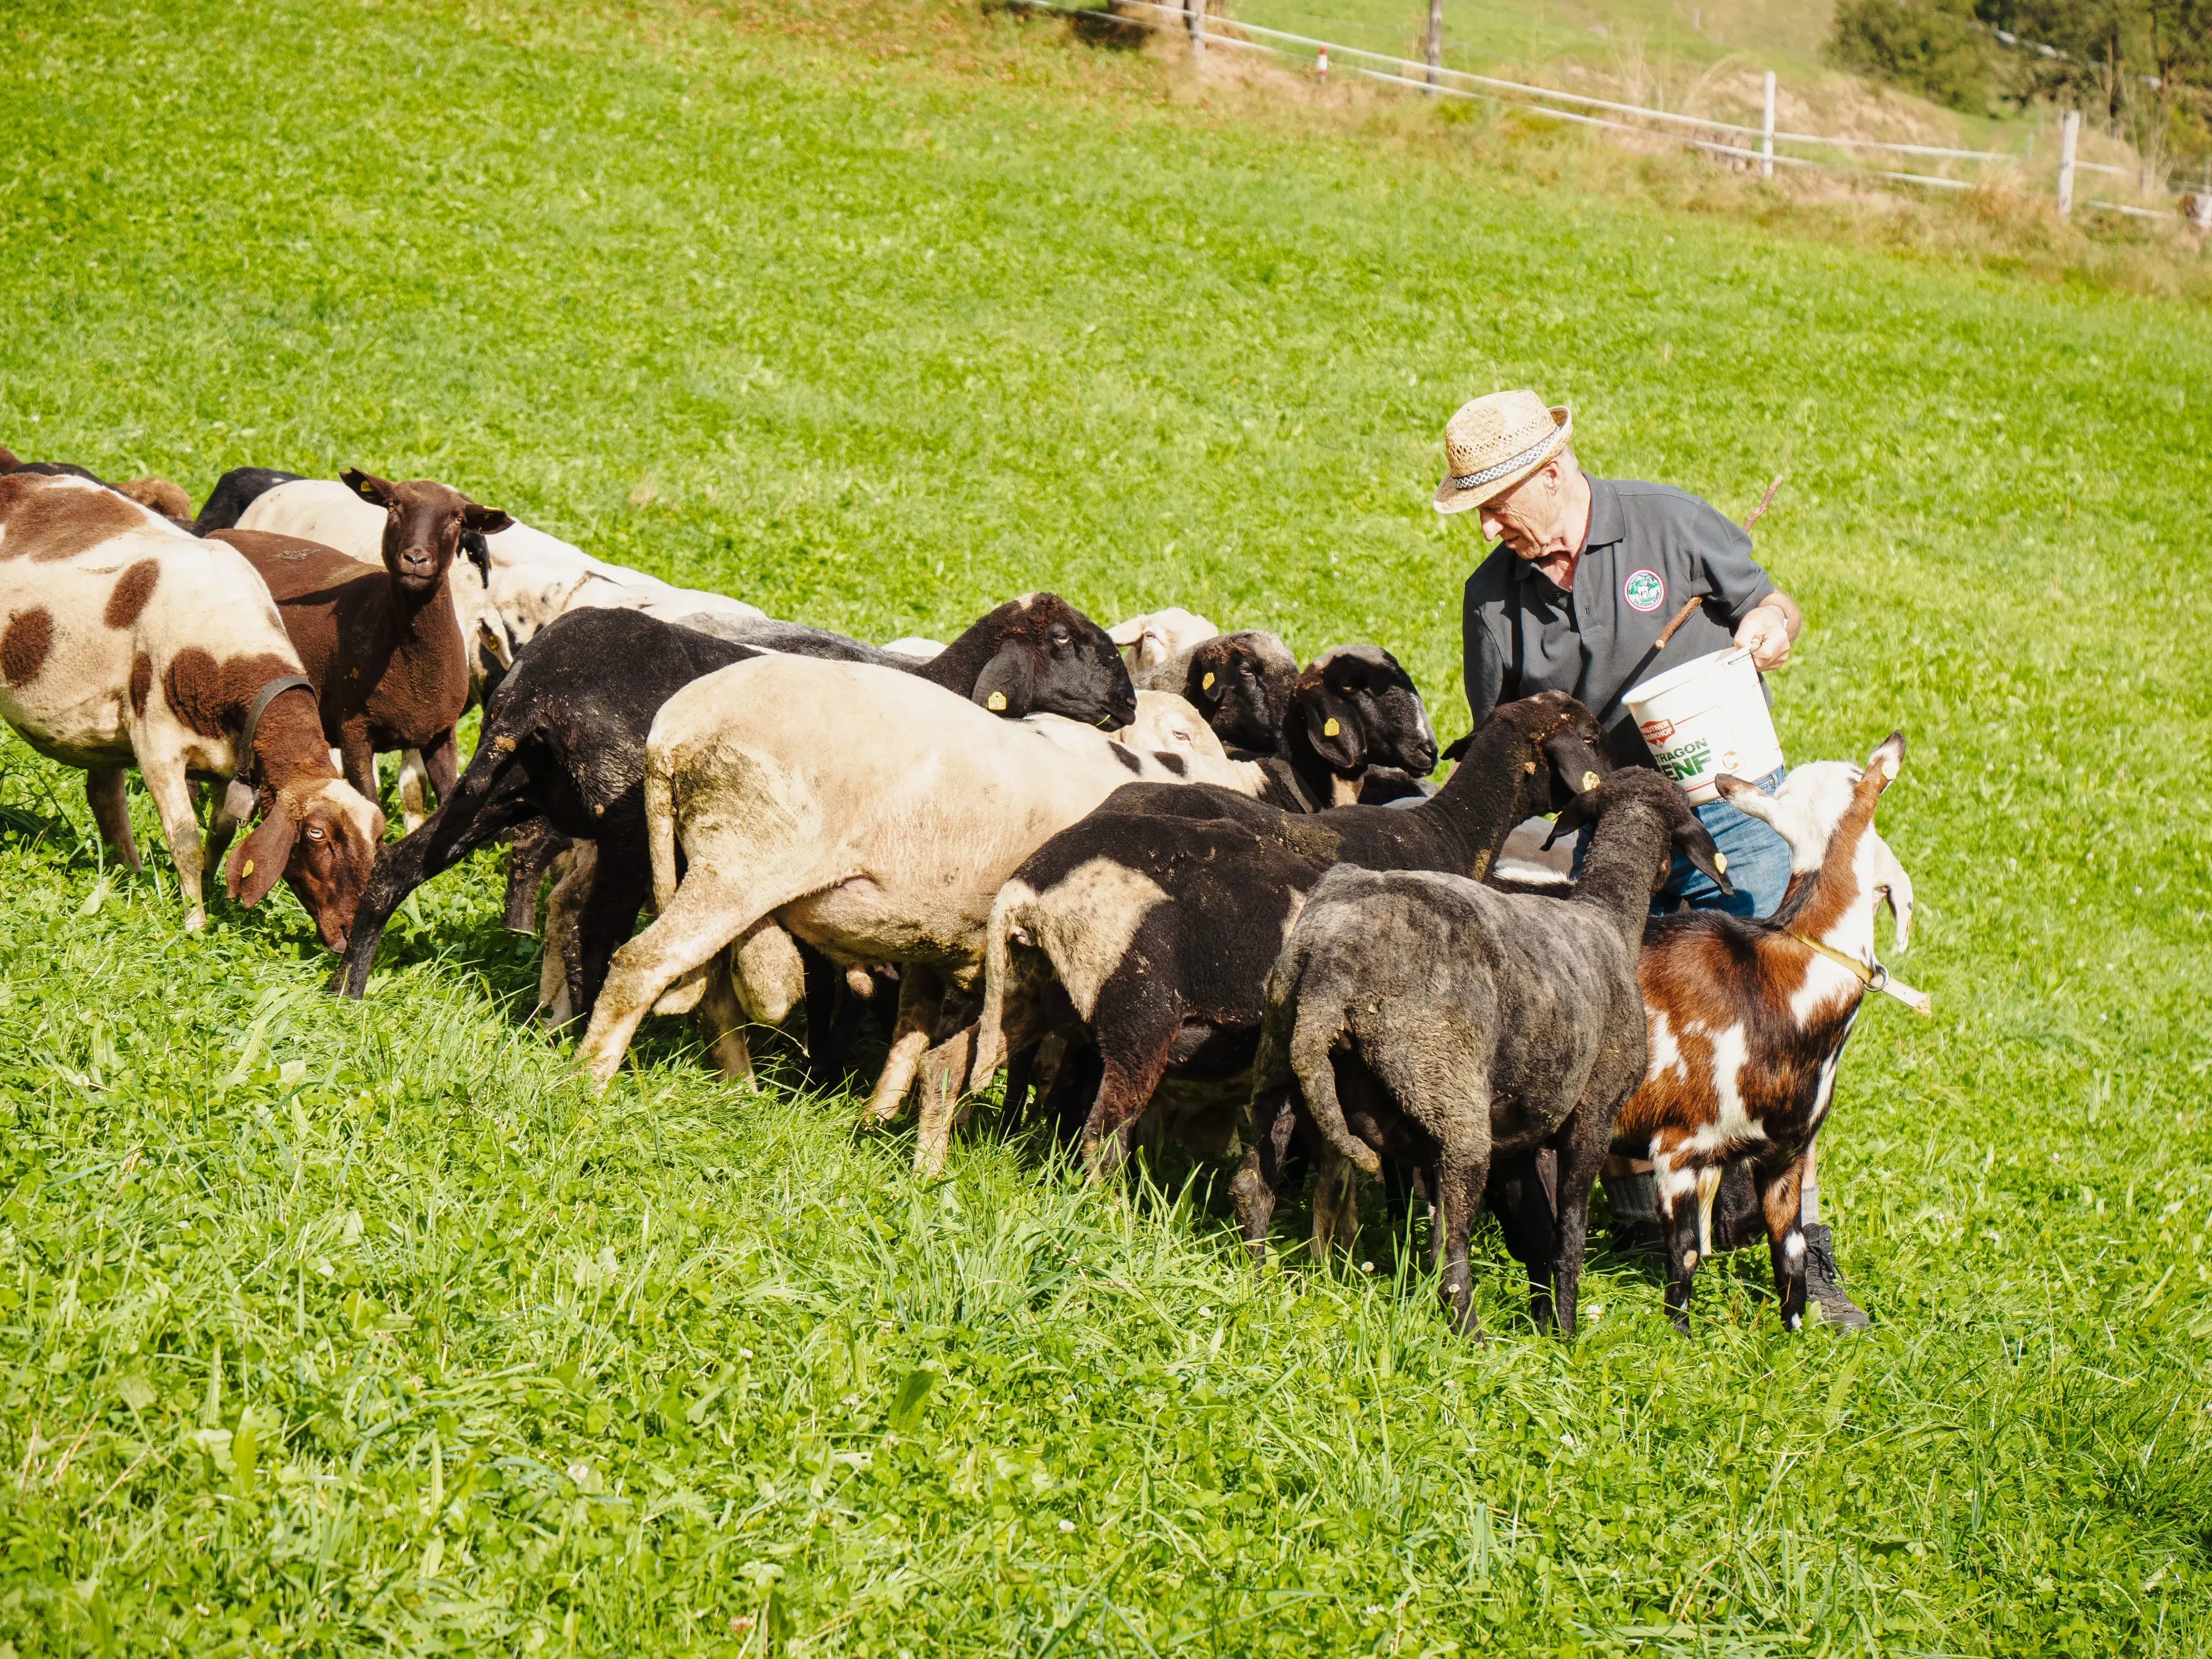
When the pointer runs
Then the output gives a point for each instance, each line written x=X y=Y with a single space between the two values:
x=2069 y=134
x=1436 y=42
x=1766 y=131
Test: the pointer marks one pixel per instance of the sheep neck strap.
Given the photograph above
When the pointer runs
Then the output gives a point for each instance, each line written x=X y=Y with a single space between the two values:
x=241 y=788
x=1877 y=979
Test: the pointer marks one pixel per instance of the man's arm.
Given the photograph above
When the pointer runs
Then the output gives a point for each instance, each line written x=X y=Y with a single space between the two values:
x=1484 y=668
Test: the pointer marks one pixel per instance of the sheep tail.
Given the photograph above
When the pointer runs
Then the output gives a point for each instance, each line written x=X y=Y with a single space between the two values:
x=1313 y=1037
x=998 y=964
x=660 y=821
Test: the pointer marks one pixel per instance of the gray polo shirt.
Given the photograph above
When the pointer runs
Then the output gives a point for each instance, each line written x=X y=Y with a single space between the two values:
x=1650 y=548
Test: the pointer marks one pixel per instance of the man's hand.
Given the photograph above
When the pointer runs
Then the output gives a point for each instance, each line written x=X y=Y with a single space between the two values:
x=1766 y=634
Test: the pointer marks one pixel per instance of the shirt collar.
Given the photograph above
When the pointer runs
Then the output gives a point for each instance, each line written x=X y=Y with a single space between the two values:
x=1605 y=527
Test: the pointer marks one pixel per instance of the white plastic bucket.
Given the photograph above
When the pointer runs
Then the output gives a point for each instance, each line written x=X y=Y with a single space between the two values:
x=1707 y=717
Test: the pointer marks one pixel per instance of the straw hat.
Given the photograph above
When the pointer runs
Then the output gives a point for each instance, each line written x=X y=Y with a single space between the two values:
x=1494 y=442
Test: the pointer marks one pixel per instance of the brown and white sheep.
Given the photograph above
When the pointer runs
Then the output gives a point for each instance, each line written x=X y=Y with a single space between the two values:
x=128 y=642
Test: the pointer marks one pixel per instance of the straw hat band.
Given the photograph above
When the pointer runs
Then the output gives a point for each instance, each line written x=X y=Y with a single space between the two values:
x=1528 y=456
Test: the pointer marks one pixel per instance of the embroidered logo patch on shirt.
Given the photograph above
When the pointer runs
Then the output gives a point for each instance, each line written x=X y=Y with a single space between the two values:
x=1643 y=590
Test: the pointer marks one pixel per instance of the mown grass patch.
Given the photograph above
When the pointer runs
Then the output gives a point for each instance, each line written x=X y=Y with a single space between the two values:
x=354 y=1327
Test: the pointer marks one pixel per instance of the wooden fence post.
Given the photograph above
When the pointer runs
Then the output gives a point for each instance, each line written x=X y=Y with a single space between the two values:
x=1436 y=42
x=2069 y=134
x=1766 y=132
x=1195 y=11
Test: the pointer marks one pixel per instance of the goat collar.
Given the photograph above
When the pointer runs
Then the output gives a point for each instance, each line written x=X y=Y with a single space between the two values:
x=241 y=775
x=1876 y=980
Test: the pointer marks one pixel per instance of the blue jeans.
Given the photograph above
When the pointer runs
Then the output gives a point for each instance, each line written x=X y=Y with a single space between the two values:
x=1758 y=862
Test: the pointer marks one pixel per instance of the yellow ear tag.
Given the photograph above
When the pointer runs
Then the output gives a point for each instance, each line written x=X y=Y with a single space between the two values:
x=1720 y=862
x=1589 y=781
x=1206 y=684
x=996 y=703
x=245 y=869
x=1328 y=729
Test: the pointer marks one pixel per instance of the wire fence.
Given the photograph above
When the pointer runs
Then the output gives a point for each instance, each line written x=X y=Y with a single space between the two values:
x=1707 y=134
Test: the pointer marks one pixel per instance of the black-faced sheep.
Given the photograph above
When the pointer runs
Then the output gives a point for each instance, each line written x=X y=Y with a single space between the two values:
x=1426 y=1018
x=1144 y=935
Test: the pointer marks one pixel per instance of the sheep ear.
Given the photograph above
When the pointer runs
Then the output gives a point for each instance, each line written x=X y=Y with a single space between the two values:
x=1334 y=729
x=376 y=491
x=1456 y=750
x=1574 y=814
x=1212 y=685
x=258 y=861
x=1576 y=768
x=485 y=520
x=473 y=549
x=1695 y=842
x=1007 y=685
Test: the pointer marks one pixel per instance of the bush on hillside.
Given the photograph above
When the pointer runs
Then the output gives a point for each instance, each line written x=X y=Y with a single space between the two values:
x=1927 y=47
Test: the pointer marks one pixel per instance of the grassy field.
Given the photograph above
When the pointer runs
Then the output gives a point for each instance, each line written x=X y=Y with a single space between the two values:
x=362 y=1327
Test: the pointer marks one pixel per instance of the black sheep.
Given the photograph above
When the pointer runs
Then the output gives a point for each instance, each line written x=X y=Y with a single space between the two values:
x=1146 y=934
x=1240 y=683
x=1452 y=1028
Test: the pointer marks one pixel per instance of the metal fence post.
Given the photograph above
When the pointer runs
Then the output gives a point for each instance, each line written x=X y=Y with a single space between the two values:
x=1435 y=42
x=2069 y=134
x=1766 y=131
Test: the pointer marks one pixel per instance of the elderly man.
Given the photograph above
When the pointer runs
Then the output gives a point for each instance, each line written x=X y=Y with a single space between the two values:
x=1586 y=574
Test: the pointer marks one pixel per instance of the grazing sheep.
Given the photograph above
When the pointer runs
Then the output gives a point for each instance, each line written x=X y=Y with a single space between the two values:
x=1451 y=1027
x=1147 y=640
x=155 y=495
x=126 y=642
x=564 y=741
x=1240 y=682
x=1747 y=1022
x=873 y=821
x=1142 y=936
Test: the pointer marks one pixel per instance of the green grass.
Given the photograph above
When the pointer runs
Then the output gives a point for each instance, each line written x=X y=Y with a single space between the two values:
x=363 y=1327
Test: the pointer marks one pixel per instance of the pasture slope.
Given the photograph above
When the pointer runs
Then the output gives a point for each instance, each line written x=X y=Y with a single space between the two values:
x=363 y=1329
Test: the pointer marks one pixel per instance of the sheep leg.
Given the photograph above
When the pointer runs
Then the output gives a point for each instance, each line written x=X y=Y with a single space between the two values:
x=1518 y=1196
x=442 y=760
x=1462 y=1174
x=536 y=848
x=357 y=763
x=104 y=792
x=181 y=826
x=1074 y=1084
x=413 y=784
x=1124 y=1089
x=1583 y=1143
x=920 y=994
x=1255 y=1185
x=944 y=1071
x=721 y=1023
x=610 y=910
x=1021 y=1067
x=1785 y=1237
x=485 y=805
x=705 y=914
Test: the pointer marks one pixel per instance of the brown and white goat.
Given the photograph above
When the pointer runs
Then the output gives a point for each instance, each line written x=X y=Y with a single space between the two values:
x=1747 y=1024
x=127 y=642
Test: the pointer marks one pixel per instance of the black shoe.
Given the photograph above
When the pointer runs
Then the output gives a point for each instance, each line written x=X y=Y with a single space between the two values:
x=1823 y=1285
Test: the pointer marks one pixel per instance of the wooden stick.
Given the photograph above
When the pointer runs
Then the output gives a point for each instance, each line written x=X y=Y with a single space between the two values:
x=1760 y=511
x=1675 y=622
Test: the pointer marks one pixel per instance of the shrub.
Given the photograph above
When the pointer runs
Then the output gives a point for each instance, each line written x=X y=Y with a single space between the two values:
x=1927 y=47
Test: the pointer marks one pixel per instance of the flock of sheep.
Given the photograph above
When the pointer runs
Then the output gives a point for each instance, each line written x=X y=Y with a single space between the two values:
x=1178 y=886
